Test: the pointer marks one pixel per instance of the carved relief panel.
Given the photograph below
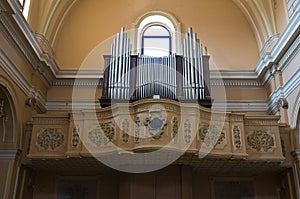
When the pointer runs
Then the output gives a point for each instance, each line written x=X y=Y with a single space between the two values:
x=262 y=137
x=49 y=136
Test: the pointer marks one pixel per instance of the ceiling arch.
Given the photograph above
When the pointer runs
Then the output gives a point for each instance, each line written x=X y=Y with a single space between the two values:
x=51 y=14
x=49 y=18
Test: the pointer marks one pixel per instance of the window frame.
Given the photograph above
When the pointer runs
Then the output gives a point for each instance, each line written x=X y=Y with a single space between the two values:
x=156 y=37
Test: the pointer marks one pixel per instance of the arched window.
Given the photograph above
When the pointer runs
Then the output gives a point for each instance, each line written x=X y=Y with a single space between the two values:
x=157 y=31
x=156 y=41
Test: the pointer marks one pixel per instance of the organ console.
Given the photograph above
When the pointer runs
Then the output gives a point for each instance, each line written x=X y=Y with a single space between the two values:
x=129 y=77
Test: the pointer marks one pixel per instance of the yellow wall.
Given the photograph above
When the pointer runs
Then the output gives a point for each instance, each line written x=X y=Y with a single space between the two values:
x=220 y=25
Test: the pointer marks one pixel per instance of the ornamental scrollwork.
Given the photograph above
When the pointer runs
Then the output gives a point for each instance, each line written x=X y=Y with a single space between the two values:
x=260 y=141
x=156 y=121
x=102 y=134
x=211 y=135
x=125 y=131
x=175 y=126
x=187 y=131
x=137 y=130
x=50 y=138
x=75 y=137
x=237 y=137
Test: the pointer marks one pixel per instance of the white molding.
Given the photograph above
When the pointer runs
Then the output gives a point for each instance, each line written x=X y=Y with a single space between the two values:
x=240 y=105
x=283 y=92
x=293 y=50
x=69 y=105
x=285 y=38
x=22 y=82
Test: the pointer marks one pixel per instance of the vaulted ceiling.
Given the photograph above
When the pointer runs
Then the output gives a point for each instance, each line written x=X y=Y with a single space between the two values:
x=88 y=22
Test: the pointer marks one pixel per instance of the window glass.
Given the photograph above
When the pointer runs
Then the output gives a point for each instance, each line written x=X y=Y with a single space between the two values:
x=156 y=41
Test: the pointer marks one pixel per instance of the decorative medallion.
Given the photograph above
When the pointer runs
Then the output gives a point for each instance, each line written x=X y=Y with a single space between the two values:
x=137 y=130
x=102 y=134
x=187 y=131
x=175 y=129
x=237 y=137
x=261 y=141
x=75 y=138
x=156 y=121
x=50 y=137
x=125 y=131
x=211 y=135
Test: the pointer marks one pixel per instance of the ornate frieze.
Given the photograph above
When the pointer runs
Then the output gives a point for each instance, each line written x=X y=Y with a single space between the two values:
x=211 y=135
x=261 y=141
x=236 y=134
x=102 y=134
x=50 y=138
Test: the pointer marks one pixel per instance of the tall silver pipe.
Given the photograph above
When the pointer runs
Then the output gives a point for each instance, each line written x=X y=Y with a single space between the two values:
x=192 y=67
x=184 y=82
x=116 y=66
x=196 y=67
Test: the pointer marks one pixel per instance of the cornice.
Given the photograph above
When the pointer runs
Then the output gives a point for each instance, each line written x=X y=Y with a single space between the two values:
x=24 y=85
x=275 y=99
x=284 y=41
x=8 y=21
x=237 y=105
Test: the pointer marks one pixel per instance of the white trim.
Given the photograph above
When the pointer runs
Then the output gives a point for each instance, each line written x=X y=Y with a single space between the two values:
x=296 y=109
x=285 y=38
x=21 y=81
x=240 y=105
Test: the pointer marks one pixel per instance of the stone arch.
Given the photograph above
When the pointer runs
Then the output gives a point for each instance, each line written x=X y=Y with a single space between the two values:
x=9 y=123
x=163 y=18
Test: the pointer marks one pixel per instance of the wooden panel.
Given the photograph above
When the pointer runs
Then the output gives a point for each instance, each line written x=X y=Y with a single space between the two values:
x=167 y=187
x=143 y=186
x=4 y=165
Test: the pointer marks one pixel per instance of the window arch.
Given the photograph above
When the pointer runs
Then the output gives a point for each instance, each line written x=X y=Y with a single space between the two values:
x=160 y=20
x=156 y=41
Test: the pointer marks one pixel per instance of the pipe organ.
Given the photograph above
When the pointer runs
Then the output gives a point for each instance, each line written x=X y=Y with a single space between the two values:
x=129 y=77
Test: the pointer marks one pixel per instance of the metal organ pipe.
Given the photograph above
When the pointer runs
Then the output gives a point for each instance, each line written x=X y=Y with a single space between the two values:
x=156 y=75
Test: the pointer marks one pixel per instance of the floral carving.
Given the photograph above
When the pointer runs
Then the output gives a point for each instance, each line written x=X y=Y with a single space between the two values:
x=187 y=131
x=175 y=129
x=125 y=128
x=137 y=130
x=75 y=138
x=260 y=140
x=102 y=134
x=237 y=137
x=211 y=135
x=50 y=137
